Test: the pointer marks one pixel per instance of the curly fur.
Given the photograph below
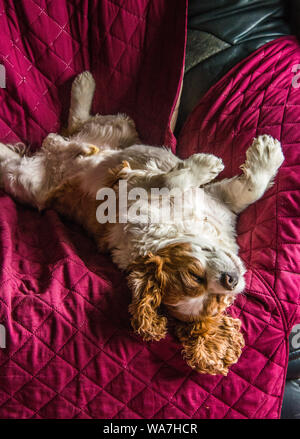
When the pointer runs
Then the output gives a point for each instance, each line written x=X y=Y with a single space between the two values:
x=212 y=345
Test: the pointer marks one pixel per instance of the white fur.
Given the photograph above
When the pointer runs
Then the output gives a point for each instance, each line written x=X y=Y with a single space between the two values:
x=209 y=223
x=189 y=306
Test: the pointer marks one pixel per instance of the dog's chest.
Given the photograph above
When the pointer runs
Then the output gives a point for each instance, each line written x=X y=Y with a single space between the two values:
x=210 y=218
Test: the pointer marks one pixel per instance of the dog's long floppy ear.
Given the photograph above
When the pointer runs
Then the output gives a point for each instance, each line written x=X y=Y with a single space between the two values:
x=147 y=282
x=214 y=343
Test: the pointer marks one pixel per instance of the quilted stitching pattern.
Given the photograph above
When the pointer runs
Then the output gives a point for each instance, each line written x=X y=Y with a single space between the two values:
x=257 y=97
x=70 y=351
x=44 y=43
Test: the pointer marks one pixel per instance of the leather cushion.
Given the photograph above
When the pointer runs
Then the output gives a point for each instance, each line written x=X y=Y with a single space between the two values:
x=220 y=34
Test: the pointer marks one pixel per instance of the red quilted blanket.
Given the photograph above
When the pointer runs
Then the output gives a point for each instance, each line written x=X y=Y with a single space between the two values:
x=259 y=96
x=69 y=351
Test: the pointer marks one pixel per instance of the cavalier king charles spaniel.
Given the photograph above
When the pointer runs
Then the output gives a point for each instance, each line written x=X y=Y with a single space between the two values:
x=183 y=269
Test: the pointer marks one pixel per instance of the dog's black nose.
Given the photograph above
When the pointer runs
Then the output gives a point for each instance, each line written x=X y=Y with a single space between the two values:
x=229 y=280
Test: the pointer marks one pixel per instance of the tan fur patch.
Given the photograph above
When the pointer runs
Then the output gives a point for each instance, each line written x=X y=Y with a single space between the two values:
x=71 y=202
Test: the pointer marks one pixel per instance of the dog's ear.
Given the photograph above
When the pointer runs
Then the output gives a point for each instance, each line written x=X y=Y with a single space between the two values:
x=147 y=282
x=214 y=343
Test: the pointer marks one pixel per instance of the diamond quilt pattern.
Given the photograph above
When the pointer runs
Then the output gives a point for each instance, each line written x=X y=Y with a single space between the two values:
x=258 y=97
x=70 y=351
x=44 y=43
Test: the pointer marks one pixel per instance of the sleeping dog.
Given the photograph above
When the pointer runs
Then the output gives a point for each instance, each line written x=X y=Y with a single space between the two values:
x=183 y=268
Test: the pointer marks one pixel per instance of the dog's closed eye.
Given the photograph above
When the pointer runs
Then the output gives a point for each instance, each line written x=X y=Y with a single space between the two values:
x=199 y=279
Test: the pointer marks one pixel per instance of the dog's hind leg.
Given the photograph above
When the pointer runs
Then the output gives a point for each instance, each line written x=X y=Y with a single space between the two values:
x=263 y=159
x=83 y=89
x=117 y=131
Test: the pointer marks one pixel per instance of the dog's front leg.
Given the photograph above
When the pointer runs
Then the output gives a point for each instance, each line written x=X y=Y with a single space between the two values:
x=263 y=159
x=197 y=170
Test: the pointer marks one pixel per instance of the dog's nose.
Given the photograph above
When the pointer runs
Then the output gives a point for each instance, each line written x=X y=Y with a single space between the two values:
x=229 y=280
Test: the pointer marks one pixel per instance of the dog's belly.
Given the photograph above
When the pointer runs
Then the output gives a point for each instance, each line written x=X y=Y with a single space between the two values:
x=140 y=157
x=204 y=217
x=209 y=218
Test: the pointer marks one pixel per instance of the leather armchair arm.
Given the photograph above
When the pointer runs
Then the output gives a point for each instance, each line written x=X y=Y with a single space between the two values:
x=220 y=34
x=291 y=400
x=293 y=16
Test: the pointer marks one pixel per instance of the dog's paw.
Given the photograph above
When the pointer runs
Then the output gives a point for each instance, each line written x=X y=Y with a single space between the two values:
x=83 y=85
x=265 y=154
x=119 y=172
x=208 y=161
x=11 y=151
x=53 y=140
x=205 y=167
x=88 y=150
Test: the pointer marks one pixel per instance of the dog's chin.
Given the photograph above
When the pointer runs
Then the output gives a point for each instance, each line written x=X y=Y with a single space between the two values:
x=195 y=309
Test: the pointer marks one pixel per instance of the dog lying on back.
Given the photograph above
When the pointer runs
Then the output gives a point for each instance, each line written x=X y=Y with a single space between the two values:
x=185 y=268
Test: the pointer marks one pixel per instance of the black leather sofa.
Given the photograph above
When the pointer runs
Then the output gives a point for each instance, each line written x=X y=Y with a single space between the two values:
x=291 y=400
x=220 y=34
